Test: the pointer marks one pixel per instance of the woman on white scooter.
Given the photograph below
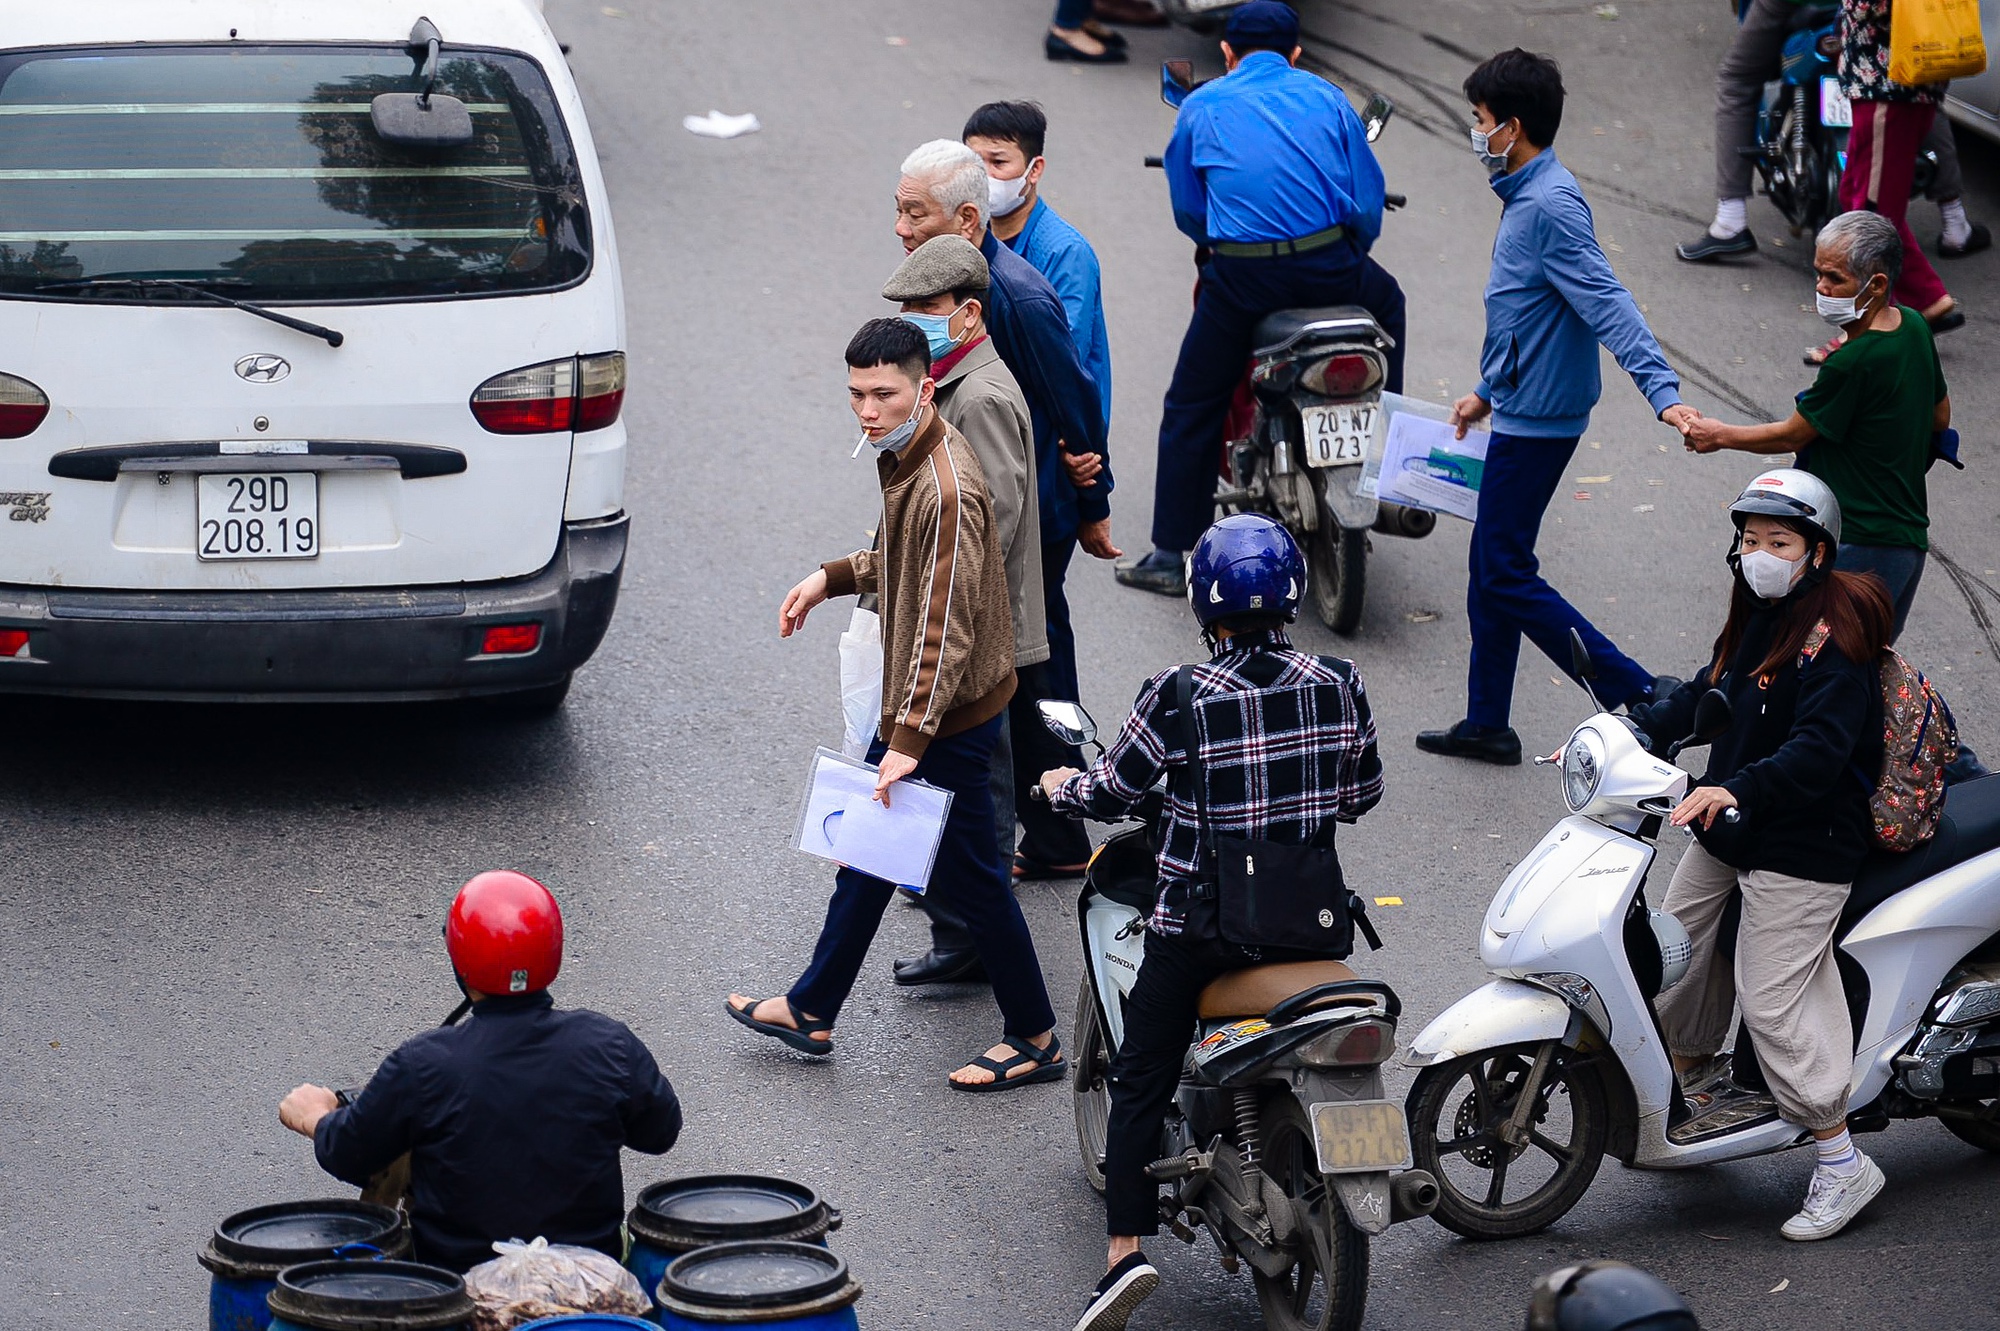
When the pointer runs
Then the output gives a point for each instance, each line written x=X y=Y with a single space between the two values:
x=1796 y=657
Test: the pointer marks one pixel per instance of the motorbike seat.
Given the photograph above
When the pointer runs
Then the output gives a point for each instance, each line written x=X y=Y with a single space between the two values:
x=1255 y=991
x=1276 y=331
x=1970 y=827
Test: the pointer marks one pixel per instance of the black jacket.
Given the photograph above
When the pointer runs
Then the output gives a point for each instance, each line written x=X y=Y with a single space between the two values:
x=1801 y=757
x=514 y=1119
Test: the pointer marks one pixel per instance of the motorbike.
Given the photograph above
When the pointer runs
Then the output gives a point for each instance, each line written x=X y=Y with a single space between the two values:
x=1281 y=1144
x=1557 y=1061
x=1316 y=381
x=1802 y=128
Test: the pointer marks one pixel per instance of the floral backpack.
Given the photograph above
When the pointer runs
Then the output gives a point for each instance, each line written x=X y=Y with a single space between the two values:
x=1918 y=738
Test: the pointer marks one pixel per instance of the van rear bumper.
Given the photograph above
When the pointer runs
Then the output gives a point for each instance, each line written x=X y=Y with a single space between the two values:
x=374 y=644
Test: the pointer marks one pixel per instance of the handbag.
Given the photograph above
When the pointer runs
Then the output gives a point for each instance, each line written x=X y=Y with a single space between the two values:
x=1935 y=41
x=1269 y=894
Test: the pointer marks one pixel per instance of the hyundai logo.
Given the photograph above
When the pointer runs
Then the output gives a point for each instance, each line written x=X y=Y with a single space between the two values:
x=263 y=369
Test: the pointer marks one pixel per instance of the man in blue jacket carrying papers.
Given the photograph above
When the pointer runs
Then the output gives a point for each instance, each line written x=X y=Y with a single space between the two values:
x=1550 y=299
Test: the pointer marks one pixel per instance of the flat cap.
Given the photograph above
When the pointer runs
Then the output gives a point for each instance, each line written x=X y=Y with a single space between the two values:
x=939 y=265
x=1266 y=19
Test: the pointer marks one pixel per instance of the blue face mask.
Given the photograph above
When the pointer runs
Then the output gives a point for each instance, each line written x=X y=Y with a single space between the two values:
x=936 y=329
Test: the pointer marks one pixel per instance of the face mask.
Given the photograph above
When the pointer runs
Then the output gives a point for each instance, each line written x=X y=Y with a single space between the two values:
x=1841 y=311
x=1769 y=576
x=894 y=441
x=1006 y=196
x=1482 y=149
x=936 y=329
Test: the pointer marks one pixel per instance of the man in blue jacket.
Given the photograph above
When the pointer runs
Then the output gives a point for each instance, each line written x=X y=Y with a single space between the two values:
x=1271 y=172
x=1550 y=299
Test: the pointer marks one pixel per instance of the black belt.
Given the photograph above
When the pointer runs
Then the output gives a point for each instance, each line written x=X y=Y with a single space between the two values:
x=1275 y=249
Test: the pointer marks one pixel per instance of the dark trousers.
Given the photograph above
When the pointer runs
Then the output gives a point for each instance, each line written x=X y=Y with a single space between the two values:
x=1046 y=836
x=1900 y=568
x=1235 y=295
x=967 y=877
x=1159 y=1025
x=1505 y=595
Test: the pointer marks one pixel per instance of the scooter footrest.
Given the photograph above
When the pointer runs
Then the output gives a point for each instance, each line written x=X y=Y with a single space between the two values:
x=1725 y=1114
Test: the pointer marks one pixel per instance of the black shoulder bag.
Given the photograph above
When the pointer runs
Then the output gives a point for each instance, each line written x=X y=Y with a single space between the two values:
x=1268 y=894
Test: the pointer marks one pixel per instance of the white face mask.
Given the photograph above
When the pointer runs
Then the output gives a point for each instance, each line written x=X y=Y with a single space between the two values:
x=1768 y=576
x=1482 y=148
x=895 y=440
x=1006 y=196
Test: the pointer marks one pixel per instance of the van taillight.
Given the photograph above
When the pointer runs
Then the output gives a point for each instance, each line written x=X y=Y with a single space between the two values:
x=581 y=393
x=23 y=407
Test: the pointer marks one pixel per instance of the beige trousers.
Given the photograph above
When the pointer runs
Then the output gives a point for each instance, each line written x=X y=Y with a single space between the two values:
x=1784 y=974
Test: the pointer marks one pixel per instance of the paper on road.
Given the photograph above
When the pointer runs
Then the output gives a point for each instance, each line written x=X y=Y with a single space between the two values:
x=1423 y=465
x=843 y=822
x=716 y=125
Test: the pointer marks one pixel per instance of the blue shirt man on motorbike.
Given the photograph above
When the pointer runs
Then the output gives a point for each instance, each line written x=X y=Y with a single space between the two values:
x=1271 y=173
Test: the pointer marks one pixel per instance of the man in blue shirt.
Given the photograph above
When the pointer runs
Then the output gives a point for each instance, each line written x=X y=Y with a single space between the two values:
x=1271 y=173
x=1009 y=136
x=1550 y=300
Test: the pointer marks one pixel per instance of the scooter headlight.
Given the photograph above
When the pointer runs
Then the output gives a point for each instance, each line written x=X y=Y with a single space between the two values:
x=1583 y=768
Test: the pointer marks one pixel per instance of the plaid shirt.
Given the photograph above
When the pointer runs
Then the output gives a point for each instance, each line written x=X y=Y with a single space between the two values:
x=1287 y=742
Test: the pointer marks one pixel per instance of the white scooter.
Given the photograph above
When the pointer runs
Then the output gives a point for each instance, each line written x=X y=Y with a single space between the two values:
x=1530 y=1080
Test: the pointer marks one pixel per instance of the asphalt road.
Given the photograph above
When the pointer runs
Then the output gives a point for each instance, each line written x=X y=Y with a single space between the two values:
x=205 y=906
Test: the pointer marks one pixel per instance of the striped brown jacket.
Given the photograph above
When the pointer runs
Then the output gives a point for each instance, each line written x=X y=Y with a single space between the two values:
x=937 y=567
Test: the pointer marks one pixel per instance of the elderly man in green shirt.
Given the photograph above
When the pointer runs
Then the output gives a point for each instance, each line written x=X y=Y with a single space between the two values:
x=1865 y=426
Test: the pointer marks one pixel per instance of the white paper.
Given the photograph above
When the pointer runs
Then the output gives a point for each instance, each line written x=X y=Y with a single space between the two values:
x=843 y=822
x=1393 y=405
x=1424 y=466
x=716 y=125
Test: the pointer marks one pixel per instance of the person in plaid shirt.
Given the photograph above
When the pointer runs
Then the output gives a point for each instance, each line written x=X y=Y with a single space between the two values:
x=1288 y=746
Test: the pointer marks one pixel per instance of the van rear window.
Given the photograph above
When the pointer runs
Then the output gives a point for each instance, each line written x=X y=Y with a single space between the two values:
x=256 y=171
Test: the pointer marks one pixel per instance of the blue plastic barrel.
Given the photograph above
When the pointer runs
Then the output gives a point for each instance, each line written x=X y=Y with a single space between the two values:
x=369 y=1296
x=247 y=1251
x=684 y=1214
x=591 y=1322
x=767 y=1282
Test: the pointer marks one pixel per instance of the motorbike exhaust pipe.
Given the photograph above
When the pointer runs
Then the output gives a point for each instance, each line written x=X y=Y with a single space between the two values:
x=1402 y=520
x=1412 y=1193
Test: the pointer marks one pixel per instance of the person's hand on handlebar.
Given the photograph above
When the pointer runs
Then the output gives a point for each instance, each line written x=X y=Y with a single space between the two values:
x=302 y=1110
x=1053 y=778
x=1704 y=803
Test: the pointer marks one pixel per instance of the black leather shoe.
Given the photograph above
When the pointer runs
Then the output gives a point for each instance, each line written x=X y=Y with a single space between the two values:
x=1502 y=748
x=935 y=967
x=1055 y=48
x=1980 y=239
x=1162 y=571
x=1707 y=248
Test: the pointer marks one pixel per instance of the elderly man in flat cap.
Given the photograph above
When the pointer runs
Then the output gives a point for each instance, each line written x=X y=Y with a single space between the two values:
x=942 y=287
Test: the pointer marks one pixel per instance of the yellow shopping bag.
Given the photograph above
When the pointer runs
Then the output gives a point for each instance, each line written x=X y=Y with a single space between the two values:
x=1935 y=41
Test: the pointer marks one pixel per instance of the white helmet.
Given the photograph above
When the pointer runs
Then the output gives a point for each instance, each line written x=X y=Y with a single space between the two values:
x=1787 y=492
x=1676 y=948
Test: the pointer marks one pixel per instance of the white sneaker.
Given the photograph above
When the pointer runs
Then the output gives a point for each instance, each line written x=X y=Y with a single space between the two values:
x=1832 y=1201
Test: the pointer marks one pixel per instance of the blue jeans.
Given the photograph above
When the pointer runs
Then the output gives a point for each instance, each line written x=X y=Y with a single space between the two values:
x=1070 y=15
x=1235 y=296
x=1506 y=597
x=1899 y=567
x=967 y=876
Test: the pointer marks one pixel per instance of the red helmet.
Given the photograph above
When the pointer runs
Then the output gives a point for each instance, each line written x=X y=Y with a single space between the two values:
x=505 y=934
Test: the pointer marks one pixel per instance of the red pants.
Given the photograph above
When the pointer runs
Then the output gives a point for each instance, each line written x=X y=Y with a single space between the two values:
x=1881 y=158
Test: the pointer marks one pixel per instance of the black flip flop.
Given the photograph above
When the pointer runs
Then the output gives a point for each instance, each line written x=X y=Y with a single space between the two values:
x=800 y=1039
x=1028 y=869
x=1052 y=1066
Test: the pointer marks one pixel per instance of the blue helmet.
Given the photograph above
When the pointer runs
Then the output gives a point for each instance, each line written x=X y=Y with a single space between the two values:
x=1246 y=564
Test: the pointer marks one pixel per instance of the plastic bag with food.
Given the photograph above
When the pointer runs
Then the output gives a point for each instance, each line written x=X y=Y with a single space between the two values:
x=542 y=1279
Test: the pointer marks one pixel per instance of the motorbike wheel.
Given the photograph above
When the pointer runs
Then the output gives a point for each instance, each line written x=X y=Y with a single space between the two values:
x=1337 y=573
x=1456 y=1110
x=1983 y=1133
x=1327 y=1286
x=1090 y=1088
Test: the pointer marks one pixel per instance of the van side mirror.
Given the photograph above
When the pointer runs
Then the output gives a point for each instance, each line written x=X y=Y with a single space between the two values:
x=427 y=119
x=1176 y=82
x=1067 y=721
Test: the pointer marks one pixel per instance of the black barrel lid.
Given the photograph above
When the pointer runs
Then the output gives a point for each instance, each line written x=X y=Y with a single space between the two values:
x=366 y=1294
x=728 y=1206
x=760 y=1273
x=291 y=1232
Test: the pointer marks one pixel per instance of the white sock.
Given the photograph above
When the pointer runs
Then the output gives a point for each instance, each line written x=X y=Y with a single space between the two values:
x=1838 y=1156
x=1731 y=216
x=1957 y=227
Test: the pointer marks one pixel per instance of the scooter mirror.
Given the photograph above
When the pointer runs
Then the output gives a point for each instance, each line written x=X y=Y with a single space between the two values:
x=1067 y=721
x=1176 y=82
x=1579 y=658
x=1712 y=716
x=1375 y=115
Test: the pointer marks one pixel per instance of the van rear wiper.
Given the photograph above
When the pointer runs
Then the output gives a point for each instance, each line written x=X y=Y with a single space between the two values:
x=332 y=337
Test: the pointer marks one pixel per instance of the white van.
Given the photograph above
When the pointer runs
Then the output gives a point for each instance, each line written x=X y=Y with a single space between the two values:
x=311 y=353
